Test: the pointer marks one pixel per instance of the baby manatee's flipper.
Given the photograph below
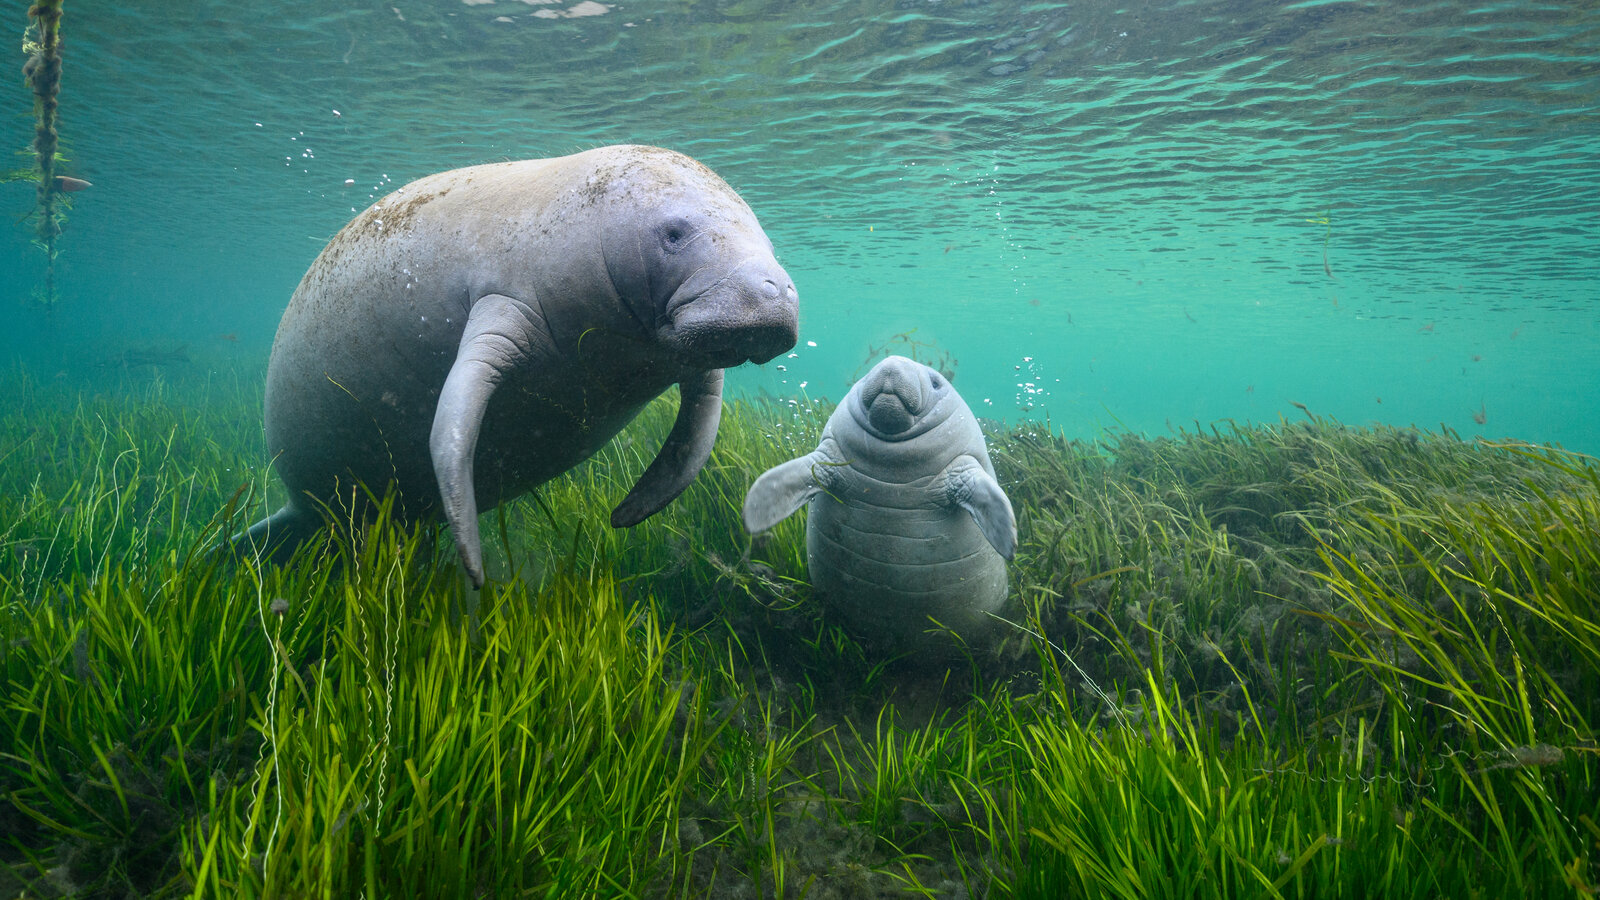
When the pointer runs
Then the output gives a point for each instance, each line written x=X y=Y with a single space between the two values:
x=964 y=483
x=783 y=489
x=682 y=455
x=275 y=538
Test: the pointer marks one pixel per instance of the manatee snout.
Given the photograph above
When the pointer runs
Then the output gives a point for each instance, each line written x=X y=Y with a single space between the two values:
x=752 y=314
x=893 y=395
x=765 y=339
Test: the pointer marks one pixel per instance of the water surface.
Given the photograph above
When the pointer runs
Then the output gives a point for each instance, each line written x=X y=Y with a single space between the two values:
x=1146 y=215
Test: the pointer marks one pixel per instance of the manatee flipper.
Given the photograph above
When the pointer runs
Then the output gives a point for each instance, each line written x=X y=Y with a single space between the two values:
x=276 y=537
x=682 y=455
x=966 y=484
x=501 y=334
x=783 y=489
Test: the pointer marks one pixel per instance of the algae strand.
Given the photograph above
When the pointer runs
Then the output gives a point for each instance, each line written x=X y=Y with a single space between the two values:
x=42 y=74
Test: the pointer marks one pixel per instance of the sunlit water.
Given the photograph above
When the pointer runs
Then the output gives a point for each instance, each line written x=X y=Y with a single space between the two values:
x=1145 y=215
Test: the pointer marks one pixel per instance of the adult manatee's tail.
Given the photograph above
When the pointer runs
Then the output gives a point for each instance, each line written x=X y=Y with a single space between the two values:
x=275 y=538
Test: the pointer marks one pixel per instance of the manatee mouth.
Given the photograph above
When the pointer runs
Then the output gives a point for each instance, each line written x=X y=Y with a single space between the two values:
x=716 y=348
x=726 y=359
x=891 y=413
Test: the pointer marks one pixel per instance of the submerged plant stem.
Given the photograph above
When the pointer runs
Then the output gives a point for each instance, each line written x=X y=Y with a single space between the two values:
x=42 y=73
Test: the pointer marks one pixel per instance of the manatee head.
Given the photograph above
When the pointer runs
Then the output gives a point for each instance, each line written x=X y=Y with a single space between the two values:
x=688 y=258
x=901 y=399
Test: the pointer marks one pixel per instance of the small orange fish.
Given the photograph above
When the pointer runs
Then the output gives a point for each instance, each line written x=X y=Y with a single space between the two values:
x=1427 y=327
x=230 y=336
x=68 y=185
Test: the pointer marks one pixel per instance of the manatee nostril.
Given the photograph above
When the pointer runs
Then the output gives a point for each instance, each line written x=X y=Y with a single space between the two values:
x=770 y=289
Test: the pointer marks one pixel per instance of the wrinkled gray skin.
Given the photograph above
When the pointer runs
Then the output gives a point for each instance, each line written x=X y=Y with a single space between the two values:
x=906 y=522
x=481 y=331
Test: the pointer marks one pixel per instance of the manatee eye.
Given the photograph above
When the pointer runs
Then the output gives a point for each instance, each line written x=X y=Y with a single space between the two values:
x=674 y=234
x=936 y=381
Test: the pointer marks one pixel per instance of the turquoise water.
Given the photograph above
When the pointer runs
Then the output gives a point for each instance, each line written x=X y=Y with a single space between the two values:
x=1146 y=215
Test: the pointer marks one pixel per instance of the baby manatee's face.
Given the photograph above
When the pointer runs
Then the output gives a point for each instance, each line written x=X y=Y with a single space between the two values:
x=900 y=399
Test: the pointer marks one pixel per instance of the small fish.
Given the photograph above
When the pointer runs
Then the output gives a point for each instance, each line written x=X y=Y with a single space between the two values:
x=231 y=337
x=68 y=185
x=1326 y=221
x=1379 y=399
x=1481 y=416
x=1300 y=406
x=1477 y=358
x=1427 y=327
x=1250 y=390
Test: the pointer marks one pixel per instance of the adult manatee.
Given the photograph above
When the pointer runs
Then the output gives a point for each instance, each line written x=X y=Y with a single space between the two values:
x=480 y=331
x=907 y=523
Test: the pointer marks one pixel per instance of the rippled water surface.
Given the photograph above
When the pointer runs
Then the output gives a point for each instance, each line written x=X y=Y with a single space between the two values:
x=1145 y=214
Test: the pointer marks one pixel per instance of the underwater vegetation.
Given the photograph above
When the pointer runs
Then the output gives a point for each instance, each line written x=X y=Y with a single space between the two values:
x=41 y=74
x=1294 y=659
x=928 y=352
